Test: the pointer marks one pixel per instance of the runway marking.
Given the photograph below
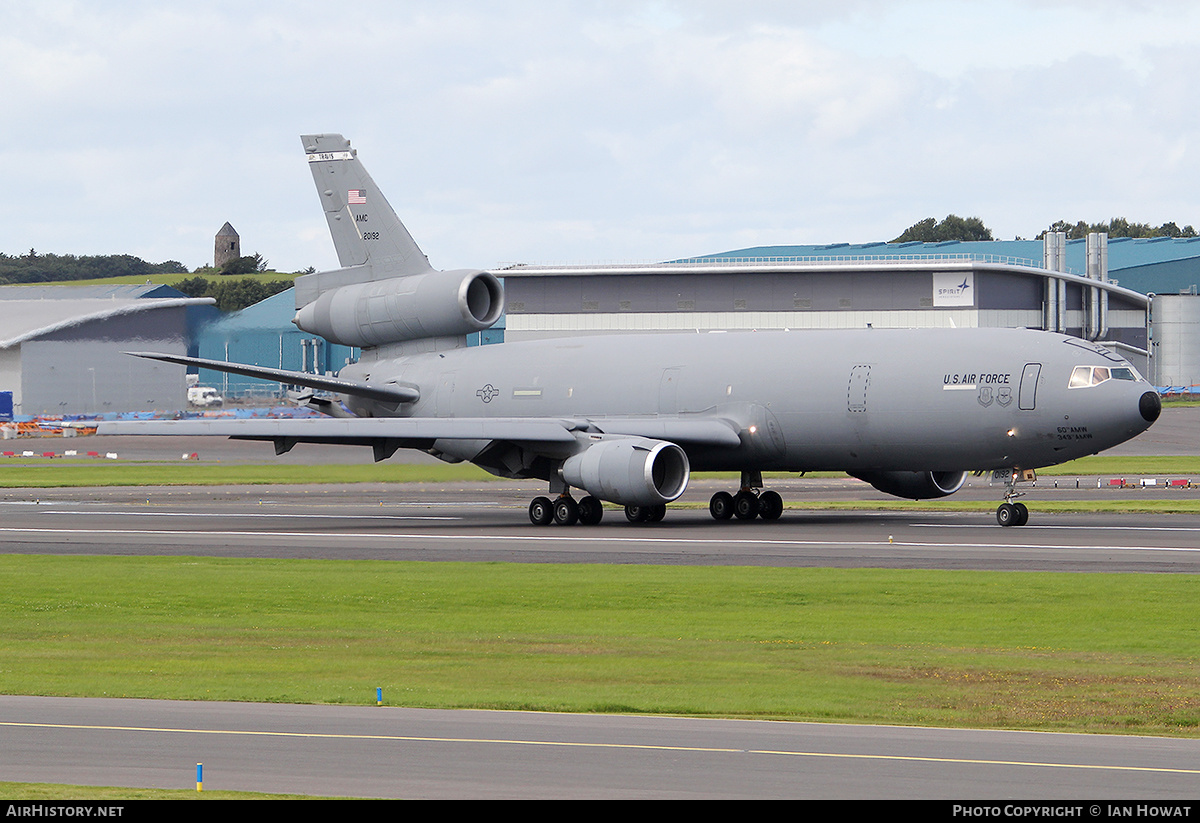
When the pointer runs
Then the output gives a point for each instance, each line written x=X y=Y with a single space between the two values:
x=725 y=541
x=622 y=746
x=209 y=515
x=1063 y=528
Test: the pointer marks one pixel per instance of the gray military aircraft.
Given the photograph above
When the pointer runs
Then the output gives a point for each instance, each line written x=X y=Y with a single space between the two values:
x=625 y=419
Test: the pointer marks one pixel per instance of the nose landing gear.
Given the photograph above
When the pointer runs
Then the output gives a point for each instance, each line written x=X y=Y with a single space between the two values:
x=1010 y=513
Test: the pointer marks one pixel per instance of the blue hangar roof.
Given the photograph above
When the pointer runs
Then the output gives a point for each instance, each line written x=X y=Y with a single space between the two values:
x=1162 y=265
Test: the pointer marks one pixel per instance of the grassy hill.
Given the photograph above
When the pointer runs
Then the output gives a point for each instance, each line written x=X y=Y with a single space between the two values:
x=170 y=279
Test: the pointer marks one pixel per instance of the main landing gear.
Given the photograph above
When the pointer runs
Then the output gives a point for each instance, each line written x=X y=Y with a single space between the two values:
x=750 y=502
x=1010 y=513
x=565 y=511
x=646 y=514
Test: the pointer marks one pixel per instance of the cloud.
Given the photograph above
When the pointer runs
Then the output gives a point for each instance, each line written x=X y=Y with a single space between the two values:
x=571 y=131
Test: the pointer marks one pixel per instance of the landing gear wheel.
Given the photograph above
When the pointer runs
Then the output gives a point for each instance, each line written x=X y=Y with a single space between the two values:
x=721 y=506
x=1007 y=515
x=770 y=505
x=637 y=514
x=745 y=506
x=1022 y=514
x=541 y=511
x=590 y=510
x=657 y=513
x=566 y=511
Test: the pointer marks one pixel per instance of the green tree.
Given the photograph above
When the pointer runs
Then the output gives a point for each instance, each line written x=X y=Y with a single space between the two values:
x=232 y=295
x=953 y=227
x=1118 y=227
x=245 y=265
x=46 y=268
x=193 y=286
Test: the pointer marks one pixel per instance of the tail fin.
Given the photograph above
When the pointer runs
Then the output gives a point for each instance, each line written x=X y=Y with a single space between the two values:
x=365 y=229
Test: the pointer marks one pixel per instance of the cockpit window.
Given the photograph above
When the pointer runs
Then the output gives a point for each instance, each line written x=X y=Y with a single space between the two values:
x=1083 y=376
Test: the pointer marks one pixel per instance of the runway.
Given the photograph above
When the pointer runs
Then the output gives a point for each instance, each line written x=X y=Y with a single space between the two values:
x=488 y=522
x=429 y=754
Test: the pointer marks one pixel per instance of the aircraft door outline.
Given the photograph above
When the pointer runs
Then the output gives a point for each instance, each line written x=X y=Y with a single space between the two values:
x=856 y=391
x=1028 y=391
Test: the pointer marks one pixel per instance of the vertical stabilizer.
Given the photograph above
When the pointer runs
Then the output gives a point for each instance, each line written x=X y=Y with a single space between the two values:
x=365 y=229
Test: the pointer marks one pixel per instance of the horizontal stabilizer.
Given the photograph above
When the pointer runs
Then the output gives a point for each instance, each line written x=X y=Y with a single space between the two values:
x=387 y=393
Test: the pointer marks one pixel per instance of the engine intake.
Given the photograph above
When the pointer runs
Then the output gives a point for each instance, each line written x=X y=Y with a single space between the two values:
x=630 y=471
x=915 y=485
x=413 y=307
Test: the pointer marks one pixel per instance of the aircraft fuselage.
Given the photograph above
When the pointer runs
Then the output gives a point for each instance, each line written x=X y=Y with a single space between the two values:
x=846 y=400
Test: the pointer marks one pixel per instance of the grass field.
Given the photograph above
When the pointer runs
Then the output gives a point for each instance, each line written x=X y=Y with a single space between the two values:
x=83 y=472
x=99 y=794
x=1102 y=653
x=40 y=472
x=45 y=473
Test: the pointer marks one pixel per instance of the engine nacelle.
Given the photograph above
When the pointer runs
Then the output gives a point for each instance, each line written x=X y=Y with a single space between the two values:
x=630 y=471
x=915 y=485
x=413 y=307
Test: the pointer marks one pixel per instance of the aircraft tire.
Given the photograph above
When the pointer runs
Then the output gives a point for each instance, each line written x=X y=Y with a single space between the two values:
x=745 y=506
x=770 y=505
x=566 y=511
x=541 y=511
x=1007 y=515
x=591 y=510
x=657 y=513
x=721 y=506
x=1022 y=514
x=637 y=514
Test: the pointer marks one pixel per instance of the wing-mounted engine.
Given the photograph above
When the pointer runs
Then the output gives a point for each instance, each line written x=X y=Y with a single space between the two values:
x=915 y=485
x=629 y=471
x=411 y=307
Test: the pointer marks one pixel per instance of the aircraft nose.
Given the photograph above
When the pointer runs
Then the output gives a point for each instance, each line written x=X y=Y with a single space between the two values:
x=1150 y=406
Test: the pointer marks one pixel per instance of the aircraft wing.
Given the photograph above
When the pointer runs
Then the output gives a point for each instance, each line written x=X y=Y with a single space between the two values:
x=386 y=392
x=356 y=429
x=420 y=432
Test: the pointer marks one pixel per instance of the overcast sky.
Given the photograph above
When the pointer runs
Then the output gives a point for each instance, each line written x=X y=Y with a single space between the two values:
x=590 y=131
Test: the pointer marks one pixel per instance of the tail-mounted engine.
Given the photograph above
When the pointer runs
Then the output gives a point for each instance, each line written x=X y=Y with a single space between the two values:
x=915 y=485
x=412 y=307
x=630 y=471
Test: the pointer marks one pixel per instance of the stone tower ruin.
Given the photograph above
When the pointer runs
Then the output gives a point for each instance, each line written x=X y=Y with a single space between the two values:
x=228 y=246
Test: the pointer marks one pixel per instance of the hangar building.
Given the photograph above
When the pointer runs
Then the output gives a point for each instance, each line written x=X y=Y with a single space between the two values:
x=875 y=285
x=61 y=348
x=1116 y=294
x=263 y=335
x=1134 y=295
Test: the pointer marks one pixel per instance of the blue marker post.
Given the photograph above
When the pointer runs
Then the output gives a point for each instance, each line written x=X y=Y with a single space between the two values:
x=199 y=777
x=379 y=695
